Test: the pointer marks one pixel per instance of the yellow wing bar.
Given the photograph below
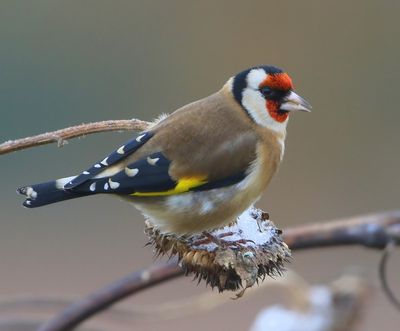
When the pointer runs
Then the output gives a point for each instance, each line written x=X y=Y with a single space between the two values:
x=185 y=184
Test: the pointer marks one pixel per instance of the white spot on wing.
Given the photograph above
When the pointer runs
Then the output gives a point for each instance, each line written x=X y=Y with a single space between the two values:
x=131 y=172
x=121 y=150
x=139 y=138
x=28 y=202
x=113 y=185
x=106 y=186
x=97 y=165
x=92 y=187
x=104 y=162
x=152 y=161
x=86 y=172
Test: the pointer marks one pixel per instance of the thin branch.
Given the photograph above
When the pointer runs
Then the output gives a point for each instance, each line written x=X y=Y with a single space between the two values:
x=60 y=136
x=374 y=231
x=130 y=313
x=105 y=297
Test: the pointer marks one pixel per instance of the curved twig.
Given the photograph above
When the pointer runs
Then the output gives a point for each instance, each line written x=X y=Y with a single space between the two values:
x=171 y=309
x=373 y=231
x=105 y=297
x=60 y=136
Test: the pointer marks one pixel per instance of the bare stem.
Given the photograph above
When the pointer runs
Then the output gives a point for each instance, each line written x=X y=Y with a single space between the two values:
x=374 y=231
x=61 y=136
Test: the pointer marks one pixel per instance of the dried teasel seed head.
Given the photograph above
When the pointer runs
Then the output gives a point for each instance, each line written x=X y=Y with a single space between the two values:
x=230 y=258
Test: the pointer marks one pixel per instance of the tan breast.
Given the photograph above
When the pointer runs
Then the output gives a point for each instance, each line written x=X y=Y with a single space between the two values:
x=195 y=212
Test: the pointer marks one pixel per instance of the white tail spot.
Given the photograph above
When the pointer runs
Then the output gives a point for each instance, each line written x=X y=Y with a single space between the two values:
x=31 y=193
x=104 y=162
x=139 y=138
x=121 y=150
x=131 y=172
x=113 y=185
x=92 y=187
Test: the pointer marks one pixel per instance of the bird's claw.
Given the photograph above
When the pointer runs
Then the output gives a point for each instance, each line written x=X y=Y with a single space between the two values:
x=220 y=242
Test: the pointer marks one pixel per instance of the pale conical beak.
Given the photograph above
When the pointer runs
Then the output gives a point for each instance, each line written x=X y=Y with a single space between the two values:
x=294 y=102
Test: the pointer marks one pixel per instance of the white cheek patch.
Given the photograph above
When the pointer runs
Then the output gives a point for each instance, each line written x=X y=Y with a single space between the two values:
x=255 y=77
x=256 y=106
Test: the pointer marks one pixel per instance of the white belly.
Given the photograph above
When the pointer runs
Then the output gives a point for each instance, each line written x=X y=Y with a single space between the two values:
x=199 y=211
x=195 y=211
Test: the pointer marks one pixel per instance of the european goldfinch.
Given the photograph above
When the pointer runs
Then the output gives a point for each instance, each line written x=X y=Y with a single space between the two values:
x=200 y=167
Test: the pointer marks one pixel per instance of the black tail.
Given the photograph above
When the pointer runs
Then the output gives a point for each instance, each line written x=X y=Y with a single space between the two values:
x=46 y=193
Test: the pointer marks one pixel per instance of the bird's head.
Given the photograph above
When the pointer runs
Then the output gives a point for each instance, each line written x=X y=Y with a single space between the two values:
x=266 y=94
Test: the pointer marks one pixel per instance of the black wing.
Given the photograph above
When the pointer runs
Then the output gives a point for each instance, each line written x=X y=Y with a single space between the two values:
x=118 y=155
x=150 y=177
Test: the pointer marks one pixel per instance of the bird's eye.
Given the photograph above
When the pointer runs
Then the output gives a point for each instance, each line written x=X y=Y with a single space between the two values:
x=266 y=91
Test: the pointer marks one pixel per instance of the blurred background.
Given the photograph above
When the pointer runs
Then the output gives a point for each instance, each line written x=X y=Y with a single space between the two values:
x=67 y=62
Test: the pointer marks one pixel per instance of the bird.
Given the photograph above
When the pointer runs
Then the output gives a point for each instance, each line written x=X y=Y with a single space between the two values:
x=199 y=167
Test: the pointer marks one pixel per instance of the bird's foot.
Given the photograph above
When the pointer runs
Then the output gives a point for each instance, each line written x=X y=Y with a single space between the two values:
x=220 y=242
